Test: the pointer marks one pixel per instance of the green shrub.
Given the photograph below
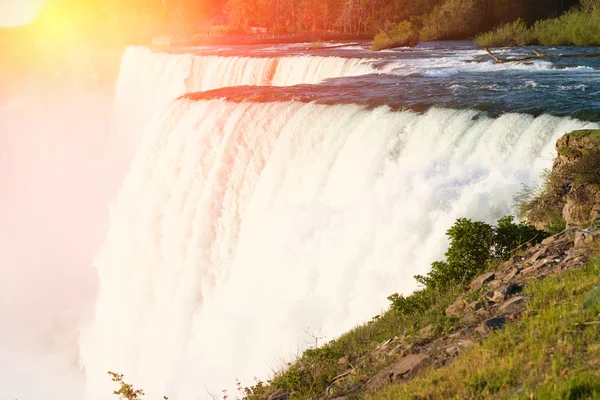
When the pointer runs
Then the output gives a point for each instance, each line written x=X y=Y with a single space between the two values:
x=580 y=27
x=469 y=253
x=416 y=303
x=402 y=34
x=473 y=246
x=515 y=33
x=509 y=237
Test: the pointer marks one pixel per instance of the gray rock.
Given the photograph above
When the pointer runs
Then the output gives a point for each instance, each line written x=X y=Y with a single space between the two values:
x=511 y=274
x=280 y=394
x=452 y=351
x=491 y=324
x=402 y=368
x=456 y=308
x=513 y=306
x=496 y=296
x=482 y=280
x=426 y=331
x=474 y=306
x=408 y=364
x=584 y=237
x=537 y=265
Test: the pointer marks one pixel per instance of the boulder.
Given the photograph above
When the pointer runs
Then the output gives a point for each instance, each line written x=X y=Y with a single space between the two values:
x=401 y=369
x=585 y=237
x=482 y=280
x=513 y=306
x=456 y=308
x=491 y=324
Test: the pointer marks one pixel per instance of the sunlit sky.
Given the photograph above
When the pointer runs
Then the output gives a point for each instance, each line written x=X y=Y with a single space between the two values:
x=18 y=12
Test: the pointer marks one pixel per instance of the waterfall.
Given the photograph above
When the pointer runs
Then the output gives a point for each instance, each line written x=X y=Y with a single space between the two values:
x=241 y=225
x=149 y=80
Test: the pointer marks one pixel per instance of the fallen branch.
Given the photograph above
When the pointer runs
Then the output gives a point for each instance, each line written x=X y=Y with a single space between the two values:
x=587 y=323
x=537 y=56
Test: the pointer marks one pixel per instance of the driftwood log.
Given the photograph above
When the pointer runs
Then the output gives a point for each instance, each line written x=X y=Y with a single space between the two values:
x=538 y=55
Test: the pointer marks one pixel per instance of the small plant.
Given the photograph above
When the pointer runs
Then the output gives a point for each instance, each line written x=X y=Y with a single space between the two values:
x=515 y=33
x=126 y=391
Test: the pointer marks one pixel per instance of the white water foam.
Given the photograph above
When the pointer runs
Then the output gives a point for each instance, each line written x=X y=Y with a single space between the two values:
x=241 y=225
x=149 y=80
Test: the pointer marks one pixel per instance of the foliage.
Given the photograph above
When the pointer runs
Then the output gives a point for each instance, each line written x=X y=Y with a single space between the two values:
x=580 y=26
x=473 y=246
x=509 y=237
x=402 y=34
x=453 y=19
x=552 y=353
x=126 y=391
x=515 y=33
x=468 y=254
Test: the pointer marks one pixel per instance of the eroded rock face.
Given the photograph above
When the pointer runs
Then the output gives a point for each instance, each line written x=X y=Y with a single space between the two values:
x=573 y=189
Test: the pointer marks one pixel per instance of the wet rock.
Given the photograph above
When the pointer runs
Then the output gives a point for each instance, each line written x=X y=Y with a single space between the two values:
x=482 y=280
x=491 y=324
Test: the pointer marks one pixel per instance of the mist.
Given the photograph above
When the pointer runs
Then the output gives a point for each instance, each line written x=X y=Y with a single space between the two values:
x=59 y=169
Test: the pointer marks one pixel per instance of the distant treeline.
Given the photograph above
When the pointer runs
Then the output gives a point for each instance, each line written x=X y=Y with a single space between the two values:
x=430 y=19
x=439 y=19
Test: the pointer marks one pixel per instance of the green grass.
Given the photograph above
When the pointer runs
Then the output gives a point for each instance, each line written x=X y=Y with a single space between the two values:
x=312 y=373
x=550 y=354
x=593 y=134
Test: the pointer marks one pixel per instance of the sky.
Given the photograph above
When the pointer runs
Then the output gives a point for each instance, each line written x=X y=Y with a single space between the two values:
x=18 y=12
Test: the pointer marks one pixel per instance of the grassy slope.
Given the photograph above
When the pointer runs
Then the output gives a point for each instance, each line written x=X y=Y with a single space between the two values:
x=552 y=353
x=316 y=370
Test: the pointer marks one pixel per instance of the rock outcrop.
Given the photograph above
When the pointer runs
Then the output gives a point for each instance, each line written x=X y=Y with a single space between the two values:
x=572 y=190
x=499 y=302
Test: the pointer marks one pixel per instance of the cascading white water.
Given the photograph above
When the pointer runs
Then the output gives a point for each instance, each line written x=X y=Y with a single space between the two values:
x=239 y=226
x=149 y=80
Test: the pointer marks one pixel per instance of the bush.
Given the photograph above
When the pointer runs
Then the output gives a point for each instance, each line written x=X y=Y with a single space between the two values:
x=468 y=254
x=402 y=34
x=580 y=27
x=473 y=246
x=515 y=33
x=509 y=237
